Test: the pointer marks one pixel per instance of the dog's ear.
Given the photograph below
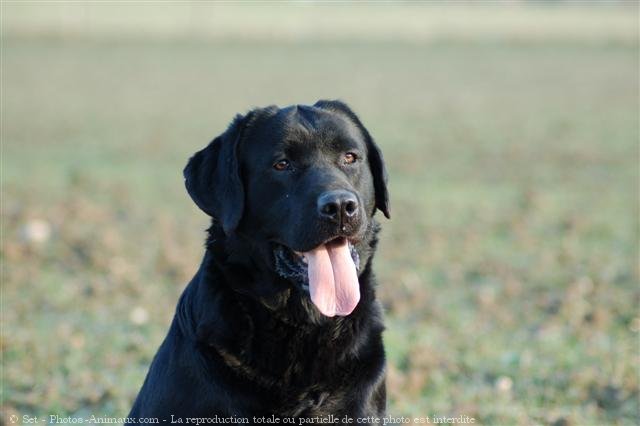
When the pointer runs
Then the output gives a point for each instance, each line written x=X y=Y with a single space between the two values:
x=212 y=177
x=376 y=161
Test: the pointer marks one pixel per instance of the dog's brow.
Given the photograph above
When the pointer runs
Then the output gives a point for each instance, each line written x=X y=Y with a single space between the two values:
x=295 y=140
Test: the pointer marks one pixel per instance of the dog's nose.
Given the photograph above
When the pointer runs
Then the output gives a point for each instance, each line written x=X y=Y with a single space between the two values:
x=338 y=206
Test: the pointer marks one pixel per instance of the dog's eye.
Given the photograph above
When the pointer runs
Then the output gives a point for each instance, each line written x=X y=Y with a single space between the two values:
x=281 y=165
x=350 y=158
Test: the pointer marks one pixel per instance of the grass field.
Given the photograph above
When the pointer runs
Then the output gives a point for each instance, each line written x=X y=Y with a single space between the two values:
x=509 y=269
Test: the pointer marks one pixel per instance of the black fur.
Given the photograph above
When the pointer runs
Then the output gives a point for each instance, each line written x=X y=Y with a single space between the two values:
x=245 y=341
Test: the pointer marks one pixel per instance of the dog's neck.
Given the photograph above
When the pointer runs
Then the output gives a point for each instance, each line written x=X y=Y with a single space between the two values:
x=250 y=268
x=242 y=273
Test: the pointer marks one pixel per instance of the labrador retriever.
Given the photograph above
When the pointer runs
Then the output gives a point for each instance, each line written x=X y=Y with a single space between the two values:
x=281 y=318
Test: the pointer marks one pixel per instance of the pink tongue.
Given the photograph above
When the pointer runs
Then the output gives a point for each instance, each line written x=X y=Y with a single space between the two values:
x=333 y=280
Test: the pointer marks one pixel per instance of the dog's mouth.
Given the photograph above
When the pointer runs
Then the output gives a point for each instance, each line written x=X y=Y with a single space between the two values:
x=329 y=272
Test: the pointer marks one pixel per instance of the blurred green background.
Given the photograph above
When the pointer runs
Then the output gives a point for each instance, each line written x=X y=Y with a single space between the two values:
x=509 y=271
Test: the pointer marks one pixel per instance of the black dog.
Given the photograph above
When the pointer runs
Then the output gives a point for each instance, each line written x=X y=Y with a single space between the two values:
x=281 y=319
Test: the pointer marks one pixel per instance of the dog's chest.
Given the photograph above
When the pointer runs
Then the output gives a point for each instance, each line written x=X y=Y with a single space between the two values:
x=302 y=372
x=297 y=357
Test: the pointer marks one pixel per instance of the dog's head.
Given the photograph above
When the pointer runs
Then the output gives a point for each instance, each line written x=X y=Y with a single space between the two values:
x=306 y=180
